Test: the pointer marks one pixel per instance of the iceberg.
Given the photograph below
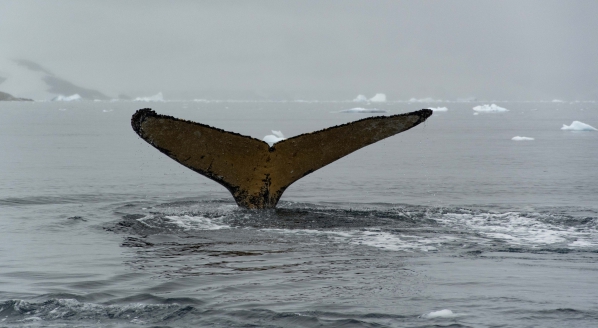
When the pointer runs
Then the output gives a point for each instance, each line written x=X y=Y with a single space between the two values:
x=364 y=110
x=67 y=98
x=360 y=98
x=157 y=97
x=489 y=109
x=578 y=126
x=424 y=100
x=438 y=109
x=379 y=97
x=518 y=138
x=273 y=138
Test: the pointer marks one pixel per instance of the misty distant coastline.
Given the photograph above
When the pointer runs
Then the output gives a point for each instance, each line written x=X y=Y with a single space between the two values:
x=31 y=80
x=8 y=97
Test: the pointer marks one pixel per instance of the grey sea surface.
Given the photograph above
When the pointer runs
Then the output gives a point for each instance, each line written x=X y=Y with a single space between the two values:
x=449 y=224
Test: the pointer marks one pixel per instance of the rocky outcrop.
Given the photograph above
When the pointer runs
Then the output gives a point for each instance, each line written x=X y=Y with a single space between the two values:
x=8 y=97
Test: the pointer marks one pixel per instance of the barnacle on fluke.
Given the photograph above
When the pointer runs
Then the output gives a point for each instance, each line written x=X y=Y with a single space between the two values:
x=255 y=173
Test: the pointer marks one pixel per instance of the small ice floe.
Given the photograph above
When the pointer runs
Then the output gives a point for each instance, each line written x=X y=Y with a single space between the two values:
x=557 y=101
x=518 y=138
x=476 y=113
x=67 y=98
x=489 y=109
x=273 y=138
x=107 y=110
x=364 y=110
x=438 y=109
x=446 y=313
x=361 y=98
x=578 y=126
x=62 y=109
x=379 y=97
x=157 y=97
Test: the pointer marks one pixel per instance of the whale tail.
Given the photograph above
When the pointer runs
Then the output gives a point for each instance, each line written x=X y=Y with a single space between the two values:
x=255 y=173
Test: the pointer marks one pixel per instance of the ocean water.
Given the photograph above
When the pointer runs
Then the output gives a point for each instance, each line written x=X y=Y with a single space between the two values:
x=450 y=224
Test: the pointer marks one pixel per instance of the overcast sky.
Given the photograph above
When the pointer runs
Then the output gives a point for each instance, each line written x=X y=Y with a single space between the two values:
x=518 y=50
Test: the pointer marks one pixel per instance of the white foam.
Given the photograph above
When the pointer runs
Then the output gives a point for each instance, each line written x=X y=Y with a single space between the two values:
x=578 y=126
x=493 y=108
x=187 y=222
x=375 y=238
x=364 y=110
x=67 y=98
x=519 y=229
x=393 y=242
x=438 y=109
x=379 y=97
x=273 y=138
x=446 y=313
x=518 y=138
x=360 y=98
x=157 y=97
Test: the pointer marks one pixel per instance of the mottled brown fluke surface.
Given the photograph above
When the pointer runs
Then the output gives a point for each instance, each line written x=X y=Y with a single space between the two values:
x=254 y=173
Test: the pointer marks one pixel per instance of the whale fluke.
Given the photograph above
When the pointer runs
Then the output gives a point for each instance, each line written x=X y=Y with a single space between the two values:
x=254 y=173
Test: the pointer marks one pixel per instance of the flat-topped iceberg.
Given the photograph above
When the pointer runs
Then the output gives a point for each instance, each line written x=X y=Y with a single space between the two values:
x=518 y=138
x=490 y=109
x=157 y=97
x=578 y=126
x=67 y=98
x=273 y=138
x=438 y=109
x=379 y=97
x=364 y=110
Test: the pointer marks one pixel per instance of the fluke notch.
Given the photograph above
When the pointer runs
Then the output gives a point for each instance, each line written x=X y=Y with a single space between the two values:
x=254 y=173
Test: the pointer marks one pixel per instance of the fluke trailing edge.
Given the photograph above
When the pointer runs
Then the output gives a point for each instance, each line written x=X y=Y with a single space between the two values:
x=254 y=173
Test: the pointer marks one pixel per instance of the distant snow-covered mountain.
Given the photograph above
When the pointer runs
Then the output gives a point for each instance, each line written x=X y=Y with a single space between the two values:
x=24 y=78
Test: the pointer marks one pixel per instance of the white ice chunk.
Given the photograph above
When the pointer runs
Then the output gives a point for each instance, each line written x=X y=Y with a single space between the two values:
x=446 y=313
x=364 y=110
x=273 y=138
x=578 y=126
x=421 y=100
x=557 y=101
x=361 y=98
x=518 y=138
x=438 y=109
x=379 y=97
x=157 y=97
x=67 y=98
x=489 y=109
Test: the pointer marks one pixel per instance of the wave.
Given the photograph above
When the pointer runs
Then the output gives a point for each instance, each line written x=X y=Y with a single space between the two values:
x=401 y=228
